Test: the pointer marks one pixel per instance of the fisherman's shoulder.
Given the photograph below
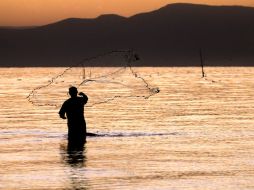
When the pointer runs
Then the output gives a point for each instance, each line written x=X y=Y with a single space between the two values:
x=68 y=101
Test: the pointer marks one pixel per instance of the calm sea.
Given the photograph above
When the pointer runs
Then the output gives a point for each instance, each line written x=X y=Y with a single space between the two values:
x=196 y=133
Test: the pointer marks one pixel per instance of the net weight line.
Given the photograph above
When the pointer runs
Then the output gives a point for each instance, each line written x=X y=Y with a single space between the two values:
x=129 y=57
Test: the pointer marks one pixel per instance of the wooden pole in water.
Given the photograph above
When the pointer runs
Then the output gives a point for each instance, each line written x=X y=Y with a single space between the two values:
x=84 y=73
x=202 y=62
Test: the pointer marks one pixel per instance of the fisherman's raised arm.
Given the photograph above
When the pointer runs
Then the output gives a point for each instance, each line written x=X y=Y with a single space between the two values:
x=84 y=96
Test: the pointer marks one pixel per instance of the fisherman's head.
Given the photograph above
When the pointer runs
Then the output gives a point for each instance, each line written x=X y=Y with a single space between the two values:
x=73 y=91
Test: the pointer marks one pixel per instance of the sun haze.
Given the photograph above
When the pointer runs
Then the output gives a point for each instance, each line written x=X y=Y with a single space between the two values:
x=40 y=12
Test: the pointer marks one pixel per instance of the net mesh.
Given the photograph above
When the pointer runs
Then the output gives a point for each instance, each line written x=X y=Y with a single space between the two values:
x=101 y=85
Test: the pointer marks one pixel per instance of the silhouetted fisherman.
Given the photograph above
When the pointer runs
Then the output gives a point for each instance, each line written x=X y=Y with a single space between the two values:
x=73 y=109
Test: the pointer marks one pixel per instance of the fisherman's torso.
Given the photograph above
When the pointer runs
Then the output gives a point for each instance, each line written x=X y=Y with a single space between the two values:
x=74 y=108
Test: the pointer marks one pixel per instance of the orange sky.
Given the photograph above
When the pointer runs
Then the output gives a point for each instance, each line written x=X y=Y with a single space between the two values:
x=39 y=12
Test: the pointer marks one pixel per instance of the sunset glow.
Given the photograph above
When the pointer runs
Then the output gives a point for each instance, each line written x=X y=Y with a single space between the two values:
x=39 y=12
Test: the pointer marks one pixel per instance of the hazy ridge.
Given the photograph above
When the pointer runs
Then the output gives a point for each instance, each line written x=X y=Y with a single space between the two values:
x=170 y=36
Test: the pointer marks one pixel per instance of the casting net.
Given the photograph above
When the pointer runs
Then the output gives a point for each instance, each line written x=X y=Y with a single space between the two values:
x=100 y=84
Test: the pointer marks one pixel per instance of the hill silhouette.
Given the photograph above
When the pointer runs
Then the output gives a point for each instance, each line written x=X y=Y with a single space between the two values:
x=169 y=36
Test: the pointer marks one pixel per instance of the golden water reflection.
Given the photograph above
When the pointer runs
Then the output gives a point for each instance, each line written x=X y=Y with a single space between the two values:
x=195 y=134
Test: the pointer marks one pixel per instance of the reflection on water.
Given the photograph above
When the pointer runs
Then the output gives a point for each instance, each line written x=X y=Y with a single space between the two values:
x=74 y=154
x=194 y=134
x=74 y=157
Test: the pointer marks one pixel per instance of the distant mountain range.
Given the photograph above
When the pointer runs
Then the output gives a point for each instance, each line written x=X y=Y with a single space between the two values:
x=170 y=36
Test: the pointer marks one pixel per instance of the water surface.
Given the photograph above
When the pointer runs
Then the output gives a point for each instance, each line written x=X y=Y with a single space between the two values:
x=195 y=134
